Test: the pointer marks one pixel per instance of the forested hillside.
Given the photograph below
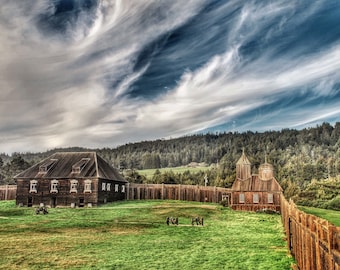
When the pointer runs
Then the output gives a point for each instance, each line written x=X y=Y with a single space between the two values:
x=299 y=157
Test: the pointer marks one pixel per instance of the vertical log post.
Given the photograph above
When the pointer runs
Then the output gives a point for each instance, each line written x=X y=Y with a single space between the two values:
x=162 y=191
x=6 y=192
x=179 y=192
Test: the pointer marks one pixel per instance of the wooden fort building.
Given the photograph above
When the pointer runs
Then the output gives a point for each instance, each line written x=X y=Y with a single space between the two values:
x=73 y=179
x=253 y=192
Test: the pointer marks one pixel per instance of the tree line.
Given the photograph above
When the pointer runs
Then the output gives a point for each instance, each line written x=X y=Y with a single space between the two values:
x=300 y=157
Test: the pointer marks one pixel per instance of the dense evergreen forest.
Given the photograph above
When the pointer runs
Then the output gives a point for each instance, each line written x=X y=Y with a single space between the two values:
x=306 y=162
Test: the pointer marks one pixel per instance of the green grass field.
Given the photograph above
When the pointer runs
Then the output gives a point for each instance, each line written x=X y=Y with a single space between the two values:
x=330 y=215
x=134 y=235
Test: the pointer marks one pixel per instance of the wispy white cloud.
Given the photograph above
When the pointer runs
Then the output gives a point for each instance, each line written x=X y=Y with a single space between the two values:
x=213 y=95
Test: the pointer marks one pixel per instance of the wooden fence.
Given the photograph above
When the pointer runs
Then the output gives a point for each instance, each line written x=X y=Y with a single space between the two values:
x=177 y=192
x=8 y=192
x=314 y=242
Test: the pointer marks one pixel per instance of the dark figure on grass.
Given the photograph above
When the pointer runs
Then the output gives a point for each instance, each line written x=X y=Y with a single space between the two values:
x=172 y=220
x=197 y=220
x=41 y=209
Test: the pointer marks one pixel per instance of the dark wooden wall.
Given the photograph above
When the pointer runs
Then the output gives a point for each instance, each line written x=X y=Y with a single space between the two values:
x=21 y=194
x=112 y=195
x=62 y=198
x=248 y=204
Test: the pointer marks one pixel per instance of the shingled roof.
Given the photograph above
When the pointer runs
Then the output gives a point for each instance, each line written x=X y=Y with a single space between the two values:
x=256 y=184
x=72 y=165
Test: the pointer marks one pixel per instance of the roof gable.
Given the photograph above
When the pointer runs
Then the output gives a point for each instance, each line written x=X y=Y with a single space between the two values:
x=106 y=171
x=72 y=165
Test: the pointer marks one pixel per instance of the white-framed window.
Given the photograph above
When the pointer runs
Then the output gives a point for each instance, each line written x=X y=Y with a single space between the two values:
x=87 y=186
x=108 y=186
x=103 y=186
x=241 y=198
x=33 y=186
x=74 y=186
x=123 y=188
x=270 y=198
x=116 y=187
x=54 y=186
x=255 y=198
x=225 y=197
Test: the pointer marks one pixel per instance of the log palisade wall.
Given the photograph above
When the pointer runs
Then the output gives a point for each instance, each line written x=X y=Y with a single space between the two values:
x=314 y=242
x=8 y=192
x=177 y=192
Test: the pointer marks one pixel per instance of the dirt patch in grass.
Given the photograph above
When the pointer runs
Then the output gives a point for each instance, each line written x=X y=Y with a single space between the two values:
x=186 y=205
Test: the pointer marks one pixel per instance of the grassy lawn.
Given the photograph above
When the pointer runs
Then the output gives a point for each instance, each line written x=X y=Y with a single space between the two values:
x=330 y=215
x=134 y=235
x=148 y=173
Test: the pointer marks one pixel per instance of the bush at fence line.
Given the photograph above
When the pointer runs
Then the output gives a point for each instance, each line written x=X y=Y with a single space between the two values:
x=268 y=211
x=224 y=203
x=333 y=204
x=310 y=203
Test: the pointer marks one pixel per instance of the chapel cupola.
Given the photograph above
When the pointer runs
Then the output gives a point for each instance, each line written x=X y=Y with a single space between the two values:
x=266 y=171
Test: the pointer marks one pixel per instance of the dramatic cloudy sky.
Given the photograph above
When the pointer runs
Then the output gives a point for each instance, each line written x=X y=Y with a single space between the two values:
x=104 y=73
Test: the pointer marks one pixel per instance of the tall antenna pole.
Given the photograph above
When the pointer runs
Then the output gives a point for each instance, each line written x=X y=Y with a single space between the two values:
x=205 y=180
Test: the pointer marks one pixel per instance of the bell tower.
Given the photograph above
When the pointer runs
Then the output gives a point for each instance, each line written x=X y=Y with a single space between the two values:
x=243 y=167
